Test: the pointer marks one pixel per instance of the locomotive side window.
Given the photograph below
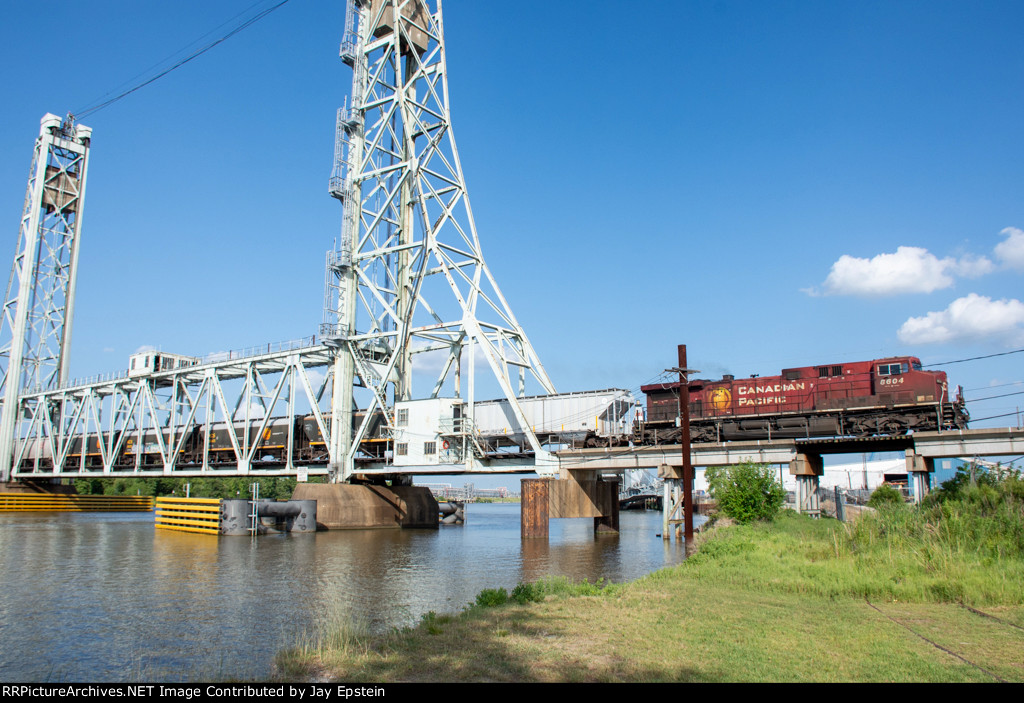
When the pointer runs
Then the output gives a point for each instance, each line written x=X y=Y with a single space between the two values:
x=892 y=369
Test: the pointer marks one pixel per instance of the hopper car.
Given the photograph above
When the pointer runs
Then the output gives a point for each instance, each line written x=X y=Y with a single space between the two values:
x=587 y=418
x=307 y=443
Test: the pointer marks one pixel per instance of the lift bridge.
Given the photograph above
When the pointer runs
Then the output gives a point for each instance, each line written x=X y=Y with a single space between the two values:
x=406 y=278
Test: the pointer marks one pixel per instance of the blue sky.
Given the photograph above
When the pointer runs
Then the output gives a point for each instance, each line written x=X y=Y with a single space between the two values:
x=774 y=184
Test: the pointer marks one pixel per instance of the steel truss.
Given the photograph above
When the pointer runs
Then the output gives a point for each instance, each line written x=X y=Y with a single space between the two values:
x=409 y=276
x=162 y=424
x=35 y=330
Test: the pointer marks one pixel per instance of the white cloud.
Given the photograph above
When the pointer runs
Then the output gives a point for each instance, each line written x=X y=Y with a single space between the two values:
x=1011 y=250
x=974 y=317
x=971 y=266
x=908 y=270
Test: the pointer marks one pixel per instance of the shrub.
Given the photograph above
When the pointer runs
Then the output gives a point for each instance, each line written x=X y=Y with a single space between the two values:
x=490 y=597
x=528 y=593
x=885 y=495
x=746 y=492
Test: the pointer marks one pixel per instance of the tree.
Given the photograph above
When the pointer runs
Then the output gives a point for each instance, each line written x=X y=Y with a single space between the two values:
x=746 y=492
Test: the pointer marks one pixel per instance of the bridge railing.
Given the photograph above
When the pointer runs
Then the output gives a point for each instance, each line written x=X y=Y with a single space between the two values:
x=272 y=348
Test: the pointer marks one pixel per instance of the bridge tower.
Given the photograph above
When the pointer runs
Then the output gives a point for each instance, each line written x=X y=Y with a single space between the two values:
x=35 y=330
x=408 y=277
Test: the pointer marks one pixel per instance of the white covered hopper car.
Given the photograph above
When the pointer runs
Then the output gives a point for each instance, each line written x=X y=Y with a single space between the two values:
x=426 y=430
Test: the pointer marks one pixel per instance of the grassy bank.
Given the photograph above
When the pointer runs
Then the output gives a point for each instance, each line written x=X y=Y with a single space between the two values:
x=933 y=594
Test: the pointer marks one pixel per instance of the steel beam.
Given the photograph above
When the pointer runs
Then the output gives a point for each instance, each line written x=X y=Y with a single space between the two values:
x=142 y=425
x=704 y=454
x=996 y=441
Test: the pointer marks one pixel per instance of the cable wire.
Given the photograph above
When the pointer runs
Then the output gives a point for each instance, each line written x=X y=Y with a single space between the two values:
x=975 y=358
x=196 y=54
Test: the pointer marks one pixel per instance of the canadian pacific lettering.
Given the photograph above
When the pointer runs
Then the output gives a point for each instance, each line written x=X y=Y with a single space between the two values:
x=760 y=396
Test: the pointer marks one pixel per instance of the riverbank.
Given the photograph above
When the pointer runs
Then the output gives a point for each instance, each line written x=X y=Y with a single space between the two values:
x=795 y=600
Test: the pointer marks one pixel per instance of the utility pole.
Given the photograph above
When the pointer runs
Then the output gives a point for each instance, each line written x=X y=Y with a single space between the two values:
x=684 y=441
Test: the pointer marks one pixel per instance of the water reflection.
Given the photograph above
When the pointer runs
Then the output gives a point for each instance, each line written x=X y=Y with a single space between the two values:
x=106 y=597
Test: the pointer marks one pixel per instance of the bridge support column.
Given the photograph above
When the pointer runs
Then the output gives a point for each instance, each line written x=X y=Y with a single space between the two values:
x=676 y=503
x=609 y=496
x=807 y=468
x=579 y=494
x=533 y=521
x=347 y=506
x=920 y=469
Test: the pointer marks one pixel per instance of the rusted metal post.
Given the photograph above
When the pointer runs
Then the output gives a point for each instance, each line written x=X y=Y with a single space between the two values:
x=608 y=523
x=684 y=403
x=533 y=519
x=666 y=509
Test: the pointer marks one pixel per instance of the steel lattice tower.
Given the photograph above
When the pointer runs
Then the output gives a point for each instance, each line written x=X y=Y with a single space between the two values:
x=35 y=331
x=409 y=276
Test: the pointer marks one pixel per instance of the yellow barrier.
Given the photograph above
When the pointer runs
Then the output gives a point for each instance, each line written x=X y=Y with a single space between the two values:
x=70 y=502
x=189 y=515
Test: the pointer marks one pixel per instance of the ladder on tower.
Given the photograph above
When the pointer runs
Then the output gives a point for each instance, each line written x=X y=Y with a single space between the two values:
x=350 y=38
x=373 y=381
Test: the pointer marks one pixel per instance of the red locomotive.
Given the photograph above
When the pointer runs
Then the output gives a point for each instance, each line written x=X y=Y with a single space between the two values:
x=864 y=398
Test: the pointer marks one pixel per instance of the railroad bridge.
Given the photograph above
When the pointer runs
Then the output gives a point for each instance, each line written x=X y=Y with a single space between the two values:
x=804 y=457
x=407 y=278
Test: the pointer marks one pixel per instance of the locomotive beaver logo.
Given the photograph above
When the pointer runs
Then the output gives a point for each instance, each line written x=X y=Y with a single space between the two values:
x=720 y=399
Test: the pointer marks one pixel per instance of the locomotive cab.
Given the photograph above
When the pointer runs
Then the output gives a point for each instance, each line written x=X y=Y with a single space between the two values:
x=902 y=380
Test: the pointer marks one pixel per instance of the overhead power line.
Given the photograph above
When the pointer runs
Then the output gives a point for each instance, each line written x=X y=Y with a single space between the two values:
x=991 y=397
x=195 y=54
x=975 y=358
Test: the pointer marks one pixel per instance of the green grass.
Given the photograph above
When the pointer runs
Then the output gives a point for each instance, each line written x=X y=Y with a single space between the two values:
x=793 y=600
x=890 y=555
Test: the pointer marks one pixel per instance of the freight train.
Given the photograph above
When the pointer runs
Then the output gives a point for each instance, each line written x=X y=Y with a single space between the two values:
x=890 y=396
x=301 y=434
x=425 y=432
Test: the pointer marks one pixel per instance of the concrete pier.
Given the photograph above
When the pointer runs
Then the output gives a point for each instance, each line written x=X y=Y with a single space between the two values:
x=807 y=468
x=580 y=494
x=919 y=469
x=341 y=506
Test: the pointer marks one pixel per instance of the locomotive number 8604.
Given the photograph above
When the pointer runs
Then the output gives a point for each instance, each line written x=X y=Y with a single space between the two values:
x=887 y=396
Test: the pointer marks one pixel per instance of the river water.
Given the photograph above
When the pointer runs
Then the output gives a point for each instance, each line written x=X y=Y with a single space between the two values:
x=105 y=597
